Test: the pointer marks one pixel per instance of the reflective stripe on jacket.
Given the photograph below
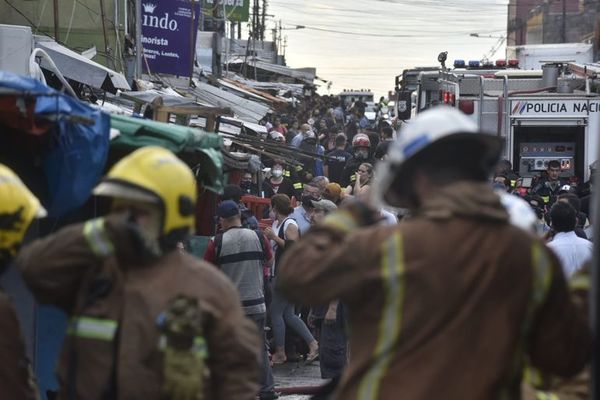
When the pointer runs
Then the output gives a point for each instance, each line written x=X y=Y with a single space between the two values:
x=448 y=302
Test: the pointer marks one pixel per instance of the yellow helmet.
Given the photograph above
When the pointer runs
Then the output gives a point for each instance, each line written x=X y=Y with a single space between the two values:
x=18 y=207
x=155 y=175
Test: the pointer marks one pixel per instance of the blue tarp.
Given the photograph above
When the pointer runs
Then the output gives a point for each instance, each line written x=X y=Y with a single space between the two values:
x=78 y=147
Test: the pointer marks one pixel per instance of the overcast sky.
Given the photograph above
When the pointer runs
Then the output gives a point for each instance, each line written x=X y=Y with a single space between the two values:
x=365 y=43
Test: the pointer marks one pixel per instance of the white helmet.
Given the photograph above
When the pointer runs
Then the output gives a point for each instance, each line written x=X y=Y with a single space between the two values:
x=436 y=126
x=520 y=212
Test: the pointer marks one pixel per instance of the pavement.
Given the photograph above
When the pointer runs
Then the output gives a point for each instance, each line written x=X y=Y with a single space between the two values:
x=297 y=375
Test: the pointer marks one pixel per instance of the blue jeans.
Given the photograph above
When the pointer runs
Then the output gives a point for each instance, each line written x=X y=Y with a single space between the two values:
x=282 y=313
x=267 y=383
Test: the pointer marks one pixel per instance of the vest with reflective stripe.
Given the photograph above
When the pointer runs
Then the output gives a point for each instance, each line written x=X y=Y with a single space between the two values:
x=241 y=259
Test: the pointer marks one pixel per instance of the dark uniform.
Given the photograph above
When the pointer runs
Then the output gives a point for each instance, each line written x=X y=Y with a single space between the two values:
x=548 y=190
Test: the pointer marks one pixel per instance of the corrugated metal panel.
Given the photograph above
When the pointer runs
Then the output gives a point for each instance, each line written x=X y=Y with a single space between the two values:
x=295 y=88
x=244 y=109
x=286 y=71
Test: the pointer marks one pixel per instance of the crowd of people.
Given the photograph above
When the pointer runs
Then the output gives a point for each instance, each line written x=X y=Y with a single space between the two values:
x=473 y=282
x=552 y=207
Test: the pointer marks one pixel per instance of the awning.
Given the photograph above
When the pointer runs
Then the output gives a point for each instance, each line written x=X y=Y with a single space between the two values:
x=199 y=149
x=78 y=68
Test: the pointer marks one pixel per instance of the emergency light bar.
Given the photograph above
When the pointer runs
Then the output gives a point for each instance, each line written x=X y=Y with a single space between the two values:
x=474 y=64
x=501 y=63
x=459 y=63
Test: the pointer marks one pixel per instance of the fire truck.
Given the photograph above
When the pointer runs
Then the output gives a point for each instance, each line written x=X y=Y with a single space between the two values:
x=552 y=114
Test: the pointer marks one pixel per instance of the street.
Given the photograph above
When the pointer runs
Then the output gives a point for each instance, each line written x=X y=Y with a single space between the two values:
x=296 y=375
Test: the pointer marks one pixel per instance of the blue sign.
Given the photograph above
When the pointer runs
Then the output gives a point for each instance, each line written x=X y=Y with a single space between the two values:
x=166 y=34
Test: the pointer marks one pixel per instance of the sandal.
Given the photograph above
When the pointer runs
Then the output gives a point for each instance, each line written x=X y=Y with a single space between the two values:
x=312 y=356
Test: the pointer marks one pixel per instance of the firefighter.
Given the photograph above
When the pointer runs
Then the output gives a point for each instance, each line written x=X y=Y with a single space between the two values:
x=455 y=295
x=18 y=208
x=549 y=186
x=361 y=153
x=146 y=321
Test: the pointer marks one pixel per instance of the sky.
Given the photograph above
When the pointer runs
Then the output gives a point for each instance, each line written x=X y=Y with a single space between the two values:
x=364 y=44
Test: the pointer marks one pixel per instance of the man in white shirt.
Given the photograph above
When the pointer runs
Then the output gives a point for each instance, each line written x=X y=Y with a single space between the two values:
x=572 y=250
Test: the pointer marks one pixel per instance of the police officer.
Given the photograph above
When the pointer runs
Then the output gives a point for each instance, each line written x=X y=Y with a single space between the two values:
x=146 y=321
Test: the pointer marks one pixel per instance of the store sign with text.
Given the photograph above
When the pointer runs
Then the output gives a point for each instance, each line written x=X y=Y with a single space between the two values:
x=235 y=10
x=167 y=28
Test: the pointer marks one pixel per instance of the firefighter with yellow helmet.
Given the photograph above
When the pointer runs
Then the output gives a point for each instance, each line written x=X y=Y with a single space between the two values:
x=18 y=208
x=146 y=321
x=451 y=302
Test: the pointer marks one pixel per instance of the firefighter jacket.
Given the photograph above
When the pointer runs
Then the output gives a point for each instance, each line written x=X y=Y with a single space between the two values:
x=93 y=272
x=543 y=387
x=16 y=377
x=548 y=190
x=448 y=303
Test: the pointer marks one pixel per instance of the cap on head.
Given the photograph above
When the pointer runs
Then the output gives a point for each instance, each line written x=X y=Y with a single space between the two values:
x=18 y=207
x=227 y=209
x=440 y=126
x=324 y=205
x=361 y=140
x=155 y=175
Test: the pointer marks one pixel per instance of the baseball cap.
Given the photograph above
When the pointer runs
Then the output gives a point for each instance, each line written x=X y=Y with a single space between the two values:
x=227 y=209
x=324 y=205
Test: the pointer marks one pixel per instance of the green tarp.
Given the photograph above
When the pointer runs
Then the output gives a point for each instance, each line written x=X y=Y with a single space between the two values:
x=201 y=150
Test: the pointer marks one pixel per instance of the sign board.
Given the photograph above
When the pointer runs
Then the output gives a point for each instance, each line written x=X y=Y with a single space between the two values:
x=166 y=34
x=235 y=10
x=566 y=108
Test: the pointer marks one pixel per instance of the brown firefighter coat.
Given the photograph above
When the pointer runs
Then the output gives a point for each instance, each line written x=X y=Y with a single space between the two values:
x=16 y=380
x=117 y=302
x=446 y=305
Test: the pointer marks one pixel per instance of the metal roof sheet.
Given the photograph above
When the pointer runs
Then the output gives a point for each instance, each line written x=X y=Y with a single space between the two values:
x=247 y=110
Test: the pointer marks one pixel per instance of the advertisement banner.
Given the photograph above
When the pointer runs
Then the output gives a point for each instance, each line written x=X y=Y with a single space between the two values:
x=235 y=10
x=166 y=35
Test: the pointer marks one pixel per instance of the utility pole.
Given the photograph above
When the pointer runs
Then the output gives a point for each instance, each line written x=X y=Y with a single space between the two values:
x=263 y=16
x=56 y=25
x=253 y=24
x=109 y=59
x=219 y=16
